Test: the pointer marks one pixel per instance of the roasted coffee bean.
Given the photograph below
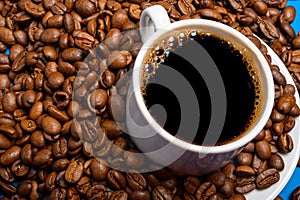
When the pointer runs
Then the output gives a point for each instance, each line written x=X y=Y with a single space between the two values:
x=191 y=184
x=139 y=195
x=288 y=124
x=55 y=80
x=258 y=165
x=43 y=158
x=285 y=103
x=60 y=148
x=72 y=55
x=278 y=198
x=36 y=110
x=276 y=161
x=277 y=116
x=186 y=8
x=97 y=191
x=210 y=14
x=228 y=188
x=267 y=178
x=10 y=155
x=285 y=143
x=9 y=102
x=244 y=158
x=50 y=35
x=7 y=36
x=244 y=170
x=217 y=178
x=58 y=193
x=99 y=169
x=116 y=179
x=74 y=172
x=51 y=126
x=136 y=181
x=5 y=143
x=7 y=189
x=161 y=192
x=37 y=139
x=263 y=149
x=237 y=197
x=27 y=154
x=85 y=7
x=295 y=194
x=245 y=185
x=205 y=190
x=229 y=170
x=119 y=195
x=119 y=18
x=237 y=5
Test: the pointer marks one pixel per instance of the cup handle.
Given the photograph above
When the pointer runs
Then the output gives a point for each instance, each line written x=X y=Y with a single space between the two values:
x=152 y=19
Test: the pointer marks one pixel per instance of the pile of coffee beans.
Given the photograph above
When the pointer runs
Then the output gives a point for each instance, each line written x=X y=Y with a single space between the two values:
x=50 y=145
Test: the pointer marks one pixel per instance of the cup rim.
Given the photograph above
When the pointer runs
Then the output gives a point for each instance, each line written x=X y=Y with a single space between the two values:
x=231 y=146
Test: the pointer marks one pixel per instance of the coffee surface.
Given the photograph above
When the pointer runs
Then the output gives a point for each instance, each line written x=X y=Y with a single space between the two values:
x=194 y=52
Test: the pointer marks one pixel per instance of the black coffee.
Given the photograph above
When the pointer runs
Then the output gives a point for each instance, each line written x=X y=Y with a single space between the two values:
x=195 y=55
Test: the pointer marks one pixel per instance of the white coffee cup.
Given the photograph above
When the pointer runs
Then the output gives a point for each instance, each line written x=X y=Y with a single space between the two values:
x=156 y=143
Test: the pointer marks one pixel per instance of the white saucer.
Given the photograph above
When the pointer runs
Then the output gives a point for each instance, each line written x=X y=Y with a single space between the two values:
x=290 y=159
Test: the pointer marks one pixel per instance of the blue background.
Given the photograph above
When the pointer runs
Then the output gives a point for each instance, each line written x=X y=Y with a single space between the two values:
x=295 y=179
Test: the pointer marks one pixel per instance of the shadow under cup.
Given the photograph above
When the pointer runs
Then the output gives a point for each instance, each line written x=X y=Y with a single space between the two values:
x=164 y=93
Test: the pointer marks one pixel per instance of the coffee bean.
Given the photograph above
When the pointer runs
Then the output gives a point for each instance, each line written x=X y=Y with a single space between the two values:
x=99 y=169
x=217 y=178
x=37 y=139
x=295 y=194
x=191 y=184
x=237 y=6
x=277 y=116
x=258 y=165
x=119 y=195
x=228 y=188
x=10 y=155
x=136 y=181
x=244 y=170
x=136 y=195
x=43 y=158
x=60 y=164
x=51 y=126
x=162 y=193
x=5 y=143
x=7 y=36
x=7 y=189
x=267 y=178
x=288 y=124
x=276 y=161
x=285 y=103
x=116 y=179
x=244 y=158
x=285 y=143
x=205 y=190
x=237 y=197
x=27 y=154
x=263 y=149
x=119 y=18
x=74 y=172
x=83 y=185
x=85 y=7
x=210 y=14
x=245 y=185
x=50 y=35
x=9 y=102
